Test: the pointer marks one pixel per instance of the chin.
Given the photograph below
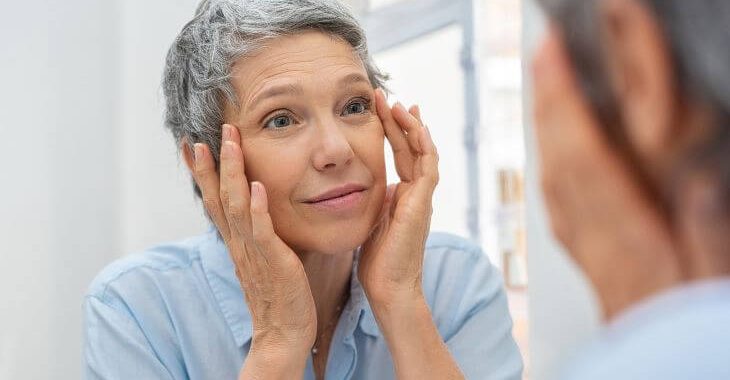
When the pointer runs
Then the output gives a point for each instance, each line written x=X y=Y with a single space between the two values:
x=337 y=239
x=342 y=240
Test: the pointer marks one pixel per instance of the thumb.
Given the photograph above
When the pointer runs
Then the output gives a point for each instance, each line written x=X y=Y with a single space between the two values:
x=262 y=228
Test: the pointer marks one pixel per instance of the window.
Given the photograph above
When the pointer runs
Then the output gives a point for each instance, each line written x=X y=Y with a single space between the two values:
x=424 y=45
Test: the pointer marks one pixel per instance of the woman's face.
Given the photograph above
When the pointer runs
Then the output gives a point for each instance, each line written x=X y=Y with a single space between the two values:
x=311 y=135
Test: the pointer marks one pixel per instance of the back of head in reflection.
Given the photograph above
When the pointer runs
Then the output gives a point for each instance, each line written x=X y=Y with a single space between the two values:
x=633 y=123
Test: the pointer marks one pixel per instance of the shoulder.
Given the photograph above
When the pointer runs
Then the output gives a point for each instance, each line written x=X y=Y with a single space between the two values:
x=137 y=272
x=456 y=259
x=687 y=343
x=458 y=279
x=444 y=246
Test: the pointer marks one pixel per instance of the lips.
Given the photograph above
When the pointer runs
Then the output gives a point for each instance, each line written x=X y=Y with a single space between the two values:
x=337 y=192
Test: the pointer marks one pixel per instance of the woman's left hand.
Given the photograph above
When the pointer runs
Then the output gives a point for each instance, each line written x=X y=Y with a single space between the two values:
x=391 y=260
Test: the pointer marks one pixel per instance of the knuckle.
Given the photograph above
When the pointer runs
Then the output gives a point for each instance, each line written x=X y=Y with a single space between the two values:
x=210 y=203
x=203 y=171
x=224 y=195
x=230 y=175
x=236 y=210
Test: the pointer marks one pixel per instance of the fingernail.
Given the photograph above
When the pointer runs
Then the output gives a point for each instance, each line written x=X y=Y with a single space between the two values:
x=400 y=106
x=226 y=132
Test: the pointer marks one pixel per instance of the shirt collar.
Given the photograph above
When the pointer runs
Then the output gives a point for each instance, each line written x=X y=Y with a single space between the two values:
x=672 y=301
x=219 y=271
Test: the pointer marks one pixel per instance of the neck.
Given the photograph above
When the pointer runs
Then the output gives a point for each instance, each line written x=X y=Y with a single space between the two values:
x=329 y=279
x=704 y=228
x=636 y=280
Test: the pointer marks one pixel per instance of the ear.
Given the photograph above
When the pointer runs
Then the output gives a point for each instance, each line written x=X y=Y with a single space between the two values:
x=641 y=72
x=188 y=155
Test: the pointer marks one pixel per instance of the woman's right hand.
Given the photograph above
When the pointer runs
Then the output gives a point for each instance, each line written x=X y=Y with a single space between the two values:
x=271 y=275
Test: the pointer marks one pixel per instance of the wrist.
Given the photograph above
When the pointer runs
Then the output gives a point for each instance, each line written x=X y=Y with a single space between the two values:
x=416 y=346
x=269 y=361
x=388 y=294
x=399 y=305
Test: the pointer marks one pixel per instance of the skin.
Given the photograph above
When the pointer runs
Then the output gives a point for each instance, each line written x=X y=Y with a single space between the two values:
x=600 y=208
x=323 y=127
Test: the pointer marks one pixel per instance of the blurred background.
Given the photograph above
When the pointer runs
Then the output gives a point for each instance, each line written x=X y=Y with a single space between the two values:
x=89 y=174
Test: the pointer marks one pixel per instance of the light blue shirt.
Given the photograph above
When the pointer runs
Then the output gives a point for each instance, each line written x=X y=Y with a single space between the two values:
x=176 y=311
x=680 y=334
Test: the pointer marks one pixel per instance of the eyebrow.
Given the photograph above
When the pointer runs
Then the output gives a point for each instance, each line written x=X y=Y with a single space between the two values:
x=296 y=88
x=276 y=90
x=352 y=79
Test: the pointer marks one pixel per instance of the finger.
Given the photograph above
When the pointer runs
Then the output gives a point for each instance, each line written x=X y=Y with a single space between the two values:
x=410 y=124
x=206 y=177
x=234 y=191
x=428 y=161
x=267 y=242
x=397 y=139
x=416 y=112
x=385 y=211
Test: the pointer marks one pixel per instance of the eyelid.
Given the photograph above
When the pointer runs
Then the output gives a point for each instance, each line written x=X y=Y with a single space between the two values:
x=367 y=102
x=273 y=115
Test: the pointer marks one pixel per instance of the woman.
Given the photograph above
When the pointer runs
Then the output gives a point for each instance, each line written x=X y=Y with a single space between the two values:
x=313 y=269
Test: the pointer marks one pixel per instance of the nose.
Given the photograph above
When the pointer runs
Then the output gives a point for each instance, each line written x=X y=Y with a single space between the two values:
x=333 y=149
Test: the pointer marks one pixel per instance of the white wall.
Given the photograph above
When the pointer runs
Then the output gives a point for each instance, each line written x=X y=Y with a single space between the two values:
x=441 y=99
x=88 y=173
x=157 y=203
x=563 y=311
x=58 y=196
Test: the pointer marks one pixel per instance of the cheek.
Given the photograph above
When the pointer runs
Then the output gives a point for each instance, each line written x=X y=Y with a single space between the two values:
x=368 y=145
x=278 y=168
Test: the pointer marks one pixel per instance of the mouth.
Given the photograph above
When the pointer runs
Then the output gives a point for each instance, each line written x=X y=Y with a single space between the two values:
x=339 y=198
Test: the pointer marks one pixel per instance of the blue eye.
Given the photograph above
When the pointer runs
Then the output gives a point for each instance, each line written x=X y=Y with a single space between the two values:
x=278 y=122
x=357 y=107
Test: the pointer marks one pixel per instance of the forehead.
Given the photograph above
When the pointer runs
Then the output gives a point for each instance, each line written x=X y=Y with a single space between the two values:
x=307 y=55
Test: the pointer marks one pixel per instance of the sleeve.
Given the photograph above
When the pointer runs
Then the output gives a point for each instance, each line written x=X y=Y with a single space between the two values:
x=480 y=338
x=115 y=346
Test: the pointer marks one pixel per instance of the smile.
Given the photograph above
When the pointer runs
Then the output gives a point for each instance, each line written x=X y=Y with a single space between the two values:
x=340 y=199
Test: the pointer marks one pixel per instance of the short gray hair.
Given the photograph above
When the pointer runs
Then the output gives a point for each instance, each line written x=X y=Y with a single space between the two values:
x=699 y=39
x=196 y=80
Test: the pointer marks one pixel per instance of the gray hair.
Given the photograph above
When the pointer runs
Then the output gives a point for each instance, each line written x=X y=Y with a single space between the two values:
x=196 y=80
x=699 y=40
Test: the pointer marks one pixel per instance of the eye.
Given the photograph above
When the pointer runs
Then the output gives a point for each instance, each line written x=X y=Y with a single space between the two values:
x=278 y=122
x=357 y=106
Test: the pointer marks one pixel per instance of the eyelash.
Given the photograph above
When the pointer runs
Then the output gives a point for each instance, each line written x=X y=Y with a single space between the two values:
x=276 y=116
x=367 y=105
x=364 y=101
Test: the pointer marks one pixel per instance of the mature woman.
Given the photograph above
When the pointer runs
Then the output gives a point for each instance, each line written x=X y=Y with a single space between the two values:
x=314 y=268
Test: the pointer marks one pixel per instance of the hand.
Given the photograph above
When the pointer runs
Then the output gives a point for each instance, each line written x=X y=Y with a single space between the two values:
x=271 y=275
x=597 y=206
x=391 y=261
